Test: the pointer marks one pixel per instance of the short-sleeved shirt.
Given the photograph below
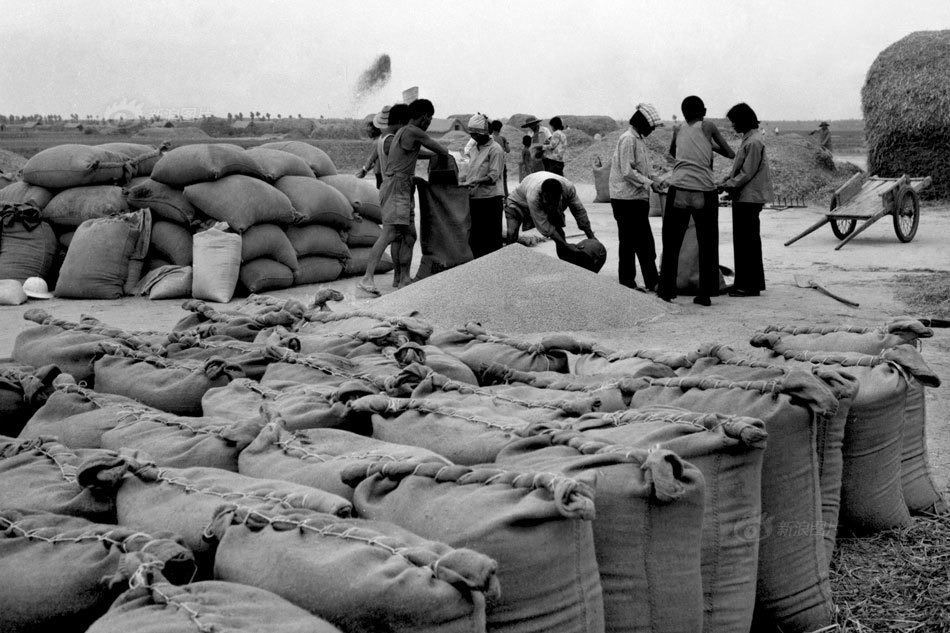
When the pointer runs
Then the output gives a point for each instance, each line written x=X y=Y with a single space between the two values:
x=557 y=146
x=694 y=159
x=527 y=197
x=487 y=160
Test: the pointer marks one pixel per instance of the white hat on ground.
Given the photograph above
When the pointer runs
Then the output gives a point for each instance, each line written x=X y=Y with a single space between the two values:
x=36 y=288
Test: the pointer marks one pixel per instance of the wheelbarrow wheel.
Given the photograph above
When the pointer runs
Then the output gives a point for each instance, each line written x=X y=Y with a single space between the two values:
x=907 y=215
x=841 y=227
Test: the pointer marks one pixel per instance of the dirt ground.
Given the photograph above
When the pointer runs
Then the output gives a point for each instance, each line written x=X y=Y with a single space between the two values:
x=863 y=271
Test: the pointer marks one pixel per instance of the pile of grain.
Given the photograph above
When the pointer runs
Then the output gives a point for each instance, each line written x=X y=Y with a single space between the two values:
x=799 y=168
x=518 y=290
x=906 y=102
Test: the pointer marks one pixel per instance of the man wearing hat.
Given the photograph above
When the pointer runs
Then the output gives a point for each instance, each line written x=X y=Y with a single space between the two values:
x=824 y=135
x=486 y=191
x=539 y=136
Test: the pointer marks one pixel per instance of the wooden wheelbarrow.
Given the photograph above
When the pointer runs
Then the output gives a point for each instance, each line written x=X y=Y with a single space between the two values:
x=858 y=199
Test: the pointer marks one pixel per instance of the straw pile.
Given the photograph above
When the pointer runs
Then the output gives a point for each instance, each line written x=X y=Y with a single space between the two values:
x=906 y=101
x=10 y=162
x=518 y=290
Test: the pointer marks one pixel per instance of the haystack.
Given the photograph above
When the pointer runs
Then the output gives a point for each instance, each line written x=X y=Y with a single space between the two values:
x=906 y=101
x=519 y=290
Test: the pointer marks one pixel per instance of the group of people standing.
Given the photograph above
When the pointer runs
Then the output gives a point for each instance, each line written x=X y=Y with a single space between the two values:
x=692 y=193
x=544 y=194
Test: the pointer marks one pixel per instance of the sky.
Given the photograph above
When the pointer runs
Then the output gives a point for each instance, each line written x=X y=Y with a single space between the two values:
x=802 y=59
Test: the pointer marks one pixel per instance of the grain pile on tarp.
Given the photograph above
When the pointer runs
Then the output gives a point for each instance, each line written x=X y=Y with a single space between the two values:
x=906 y=103
x=517 y=290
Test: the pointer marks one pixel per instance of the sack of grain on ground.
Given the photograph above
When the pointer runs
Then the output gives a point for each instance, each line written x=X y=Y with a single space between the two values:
x=248 y=357
x=358 y=574
x=318 y=456
x=183 y=500
x=268 y=241
x=73 y=165
x=23 y=390
x=171 y=242
x=74 y=206
x=792 y=588
x=363 y=231
x=318 y=240
x=316 y=202
x=65 y=571
x=172 y=386
x=601 y=180
x=299 y=406
x=328 y=369
x=165 y=202
x=72 y=347
x=647 y=534
x=142 y=157
x=159 y=605
x=536 y=525
x=28 y=245
x=40 y=474
x=165 y=282
x=600 y=361
x=216 y=264
x=361 y=194
x=275 y=164
x=318 y=160
x=203 y=162
x=265 y=273
x=885 y=451
x=106 y=257
x=728 y=451
x=723 y=362
x=359 y=258
x=840 y=338
x=313 y=269
x=23 y=192
x=206 y=321
x=241 y=201
x=476 y=347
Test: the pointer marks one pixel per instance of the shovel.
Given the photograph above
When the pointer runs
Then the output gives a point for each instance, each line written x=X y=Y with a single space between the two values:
x=804 y=281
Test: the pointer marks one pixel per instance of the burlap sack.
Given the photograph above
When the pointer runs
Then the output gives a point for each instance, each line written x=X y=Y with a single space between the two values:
x=317 y=270
x=360 y=575
x=40 y=475
x=359 y=259
x=142 y=157
x=165 y=202
x=326 y=322
x=156 y=606
x=445 y=222
x=268 y=240
x=173 y=386
x=249 y=357
x=317 y=457
x=182 y=442
x=728 y=451
x=264 y=273
x=839 y=338
x=363 y=232
x=23 y=390
x=604 y=362
x=183 y=500
x=275 y=164
x=216 y=259
x=75 y=165
x=73 y=347
x=23 y=192
x=206 y=321
x=63 y=572
x=74 y=206
x=318 y=160
x=203 y=162
x=241 y=201
x=28 y=245
x=329 y=370
x=647 y=535
x=317 y=202
x=361 y=194
x=723 y=361
x=536 y=525
x=477 y=348
x=172 y=242
x=792 y=587
x=317 y=239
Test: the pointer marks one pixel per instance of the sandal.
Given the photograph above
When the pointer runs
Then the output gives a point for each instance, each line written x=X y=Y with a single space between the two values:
x=368 y=289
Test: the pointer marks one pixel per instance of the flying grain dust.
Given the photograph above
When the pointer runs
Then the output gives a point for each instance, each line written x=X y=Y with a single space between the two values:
x=373 y=78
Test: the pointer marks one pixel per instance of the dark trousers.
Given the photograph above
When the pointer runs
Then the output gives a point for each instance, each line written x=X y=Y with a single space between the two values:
x=635 y=242
x=675 y=223
x=553 y=166
x=485 y=236
x=747 y=244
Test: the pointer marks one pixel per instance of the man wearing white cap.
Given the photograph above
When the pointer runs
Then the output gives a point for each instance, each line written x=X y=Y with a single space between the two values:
x=631 y=180
x=486 y=191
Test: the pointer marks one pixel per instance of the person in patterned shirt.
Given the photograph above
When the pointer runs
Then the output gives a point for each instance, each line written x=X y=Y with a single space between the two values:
x=555 y=148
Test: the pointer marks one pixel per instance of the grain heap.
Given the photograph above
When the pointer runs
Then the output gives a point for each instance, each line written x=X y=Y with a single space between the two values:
x=518 y=290
x=906 y=113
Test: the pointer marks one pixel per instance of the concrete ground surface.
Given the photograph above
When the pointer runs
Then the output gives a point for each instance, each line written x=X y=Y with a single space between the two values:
x=864 y=271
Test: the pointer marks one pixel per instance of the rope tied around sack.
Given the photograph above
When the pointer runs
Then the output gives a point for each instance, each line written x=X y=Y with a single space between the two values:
x=296 y=446
x=26 y=214
x=287 y=356
x=41 y=317
x=13 y=529
x=474 y=570
x=46 y=446
x=573 y=408
x=410 y=323
x=383 y=404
